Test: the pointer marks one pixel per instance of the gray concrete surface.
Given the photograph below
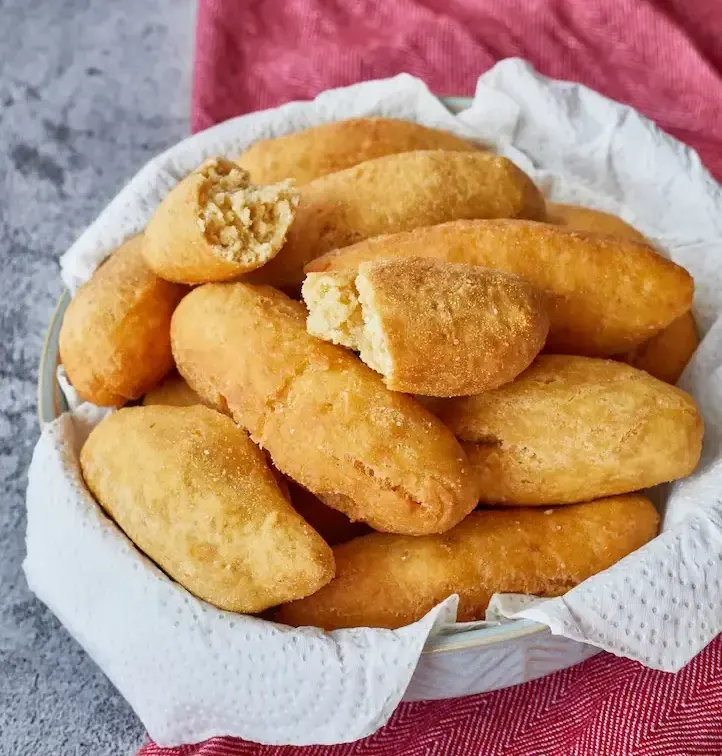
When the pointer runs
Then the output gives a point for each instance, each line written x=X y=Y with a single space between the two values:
x=88 y=92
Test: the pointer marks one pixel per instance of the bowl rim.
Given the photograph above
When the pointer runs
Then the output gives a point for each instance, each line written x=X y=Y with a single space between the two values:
x=51 y=404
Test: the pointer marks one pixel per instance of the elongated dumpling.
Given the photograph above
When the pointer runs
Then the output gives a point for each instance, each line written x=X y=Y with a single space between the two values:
x=325 y=418
x=666 y=354
x=309 y=154
x=192 y=491
x=399 y=193
x=390 y=580
x=215 y=225
x=571 y=429
x=115 y=338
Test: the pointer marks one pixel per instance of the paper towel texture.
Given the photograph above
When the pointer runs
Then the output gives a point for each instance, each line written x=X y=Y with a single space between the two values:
x=191 y=671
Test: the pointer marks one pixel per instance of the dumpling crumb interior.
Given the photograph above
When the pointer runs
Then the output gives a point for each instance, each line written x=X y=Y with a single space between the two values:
x=244 y=223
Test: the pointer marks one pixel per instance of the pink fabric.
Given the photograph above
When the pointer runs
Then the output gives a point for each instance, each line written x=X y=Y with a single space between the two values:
x=664 y=57
x=603 y=707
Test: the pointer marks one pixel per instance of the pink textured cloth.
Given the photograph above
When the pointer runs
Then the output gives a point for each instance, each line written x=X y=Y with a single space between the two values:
x=664 y=57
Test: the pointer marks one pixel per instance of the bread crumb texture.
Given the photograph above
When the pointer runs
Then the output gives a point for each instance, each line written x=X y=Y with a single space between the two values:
x=243 y=222
x=341 y=310
x=334 y=310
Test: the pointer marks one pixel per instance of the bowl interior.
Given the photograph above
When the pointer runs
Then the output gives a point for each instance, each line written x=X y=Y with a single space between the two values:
x=52 y=403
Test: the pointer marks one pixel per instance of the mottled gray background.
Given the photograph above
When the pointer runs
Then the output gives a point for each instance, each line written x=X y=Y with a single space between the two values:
x=88 y=92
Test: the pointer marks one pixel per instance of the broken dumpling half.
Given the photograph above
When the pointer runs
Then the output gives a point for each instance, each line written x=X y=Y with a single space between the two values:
x=215 y=225
x=430 y=327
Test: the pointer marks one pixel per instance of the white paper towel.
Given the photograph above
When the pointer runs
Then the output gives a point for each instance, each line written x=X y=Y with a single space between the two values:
x=191 y=671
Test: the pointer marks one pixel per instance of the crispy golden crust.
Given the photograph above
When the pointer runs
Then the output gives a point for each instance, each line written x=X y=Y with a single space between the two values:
x=326 y=419
x=665 y=356
x=115 y=337
x=173 y=391
x=607 y=295
x=434 y=328
x=585 y=219
x=399 y=193
x=214 y=225
x=572 y=429
x=667 y=353
x=318 y=151
x=333 y=526
x=390 y=580
x=195 y=495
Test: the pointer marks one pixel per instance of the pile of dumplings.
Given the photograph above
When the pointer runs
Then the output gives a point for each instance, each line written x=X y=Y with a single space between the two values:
x=366 y=366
